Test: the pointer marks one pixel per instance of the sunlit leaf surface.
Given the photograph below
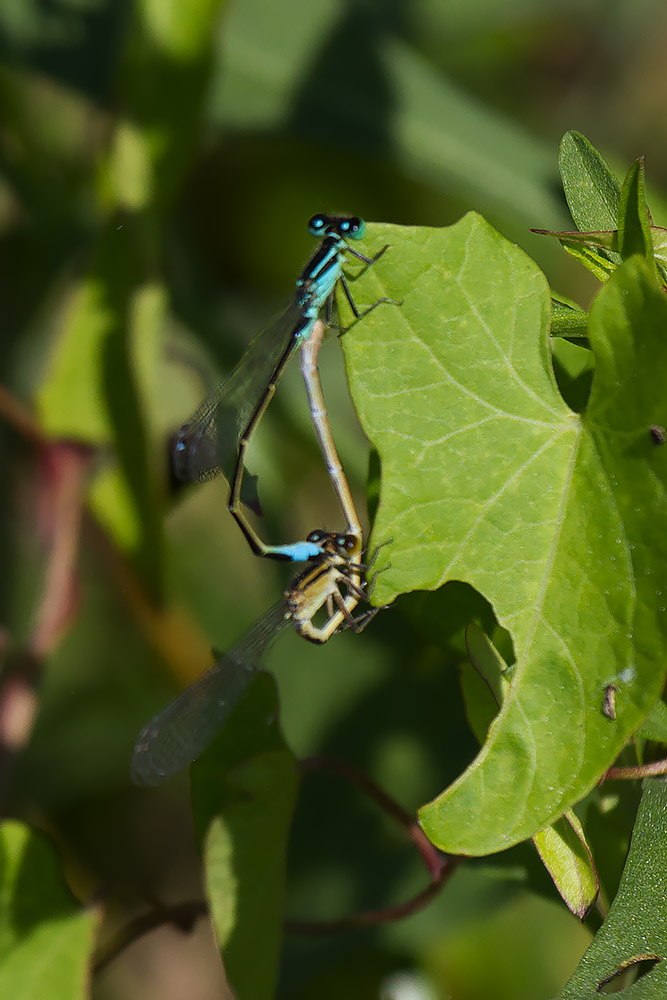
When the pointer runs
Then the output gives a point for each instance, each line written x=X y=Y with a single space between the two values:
x=489 y=478
x=46 y=939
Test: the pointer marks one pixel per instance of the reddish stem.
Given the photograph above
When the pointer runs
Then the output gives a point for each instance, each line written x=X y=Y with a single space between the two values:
x=652 y=770
x=439 y=866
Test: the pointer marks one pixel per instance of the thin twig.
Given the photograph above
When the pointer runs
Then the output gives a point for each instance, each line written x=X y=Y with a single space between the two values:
x=652 y=770
x=184 y=915
x=371 y=918
x=63 y=468
x=439 y=866
x=20 y=418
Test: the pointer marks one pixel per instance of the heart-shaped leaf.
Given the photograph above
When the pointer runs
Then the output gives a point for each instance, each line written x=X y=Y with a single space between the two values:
x=489 y=478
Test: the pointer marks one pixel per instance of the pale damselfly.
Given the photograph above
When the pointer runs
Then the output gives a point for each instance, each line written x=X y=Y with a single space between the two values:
x=331 y=585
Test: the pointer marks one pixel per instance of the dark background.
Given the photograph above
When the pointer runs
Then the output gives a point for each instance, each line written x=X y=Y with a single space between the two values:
x=155 y=185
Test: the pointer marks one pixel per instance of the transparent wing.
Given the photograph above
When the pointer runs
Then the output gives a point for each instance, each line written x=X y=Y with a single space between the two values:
x=175 y=737
x=209 y=441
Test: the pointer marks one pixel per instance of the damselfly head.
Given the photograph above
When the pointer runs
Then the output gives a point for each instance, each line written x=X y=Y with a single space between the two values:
x=349 y=226
x=353 y=227
x=335 y=544
x=346 y=543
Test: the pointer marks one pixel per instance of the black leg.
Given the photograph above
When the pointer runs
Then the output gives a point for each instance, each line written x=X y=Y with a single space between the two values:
x=360 y=315
x=366 y=260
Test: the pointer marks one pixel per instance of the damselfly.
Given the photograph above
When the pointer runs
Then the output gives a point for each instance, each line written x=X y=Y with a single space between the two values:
x=310 y=350
x=218 y=434
x=182 y=731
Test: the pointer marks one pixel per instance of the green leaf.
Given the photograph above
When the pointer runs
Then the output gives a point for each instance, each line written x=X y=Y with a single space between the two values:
x=490 y=667
x=562 y=846
x=654 y=726
x=488 y=478
x=70 y=400
x=591 y=190
x=636 y=927
x=574 y=365
x=480 y=705
x=46 y=939
x=603 y=239
x=244 y=790
x=597 y=251
x=567 y=857
x=595 y=262
x=95 y=389
x=163 y=83
x=567 y=318
x=634 y=224
x=659 y=239
x=101 y=372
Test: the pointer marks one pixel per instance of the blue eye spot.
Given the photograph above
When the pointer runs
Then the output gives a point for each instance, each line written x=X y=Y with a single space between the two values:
x=357 y=228
x=317 y=224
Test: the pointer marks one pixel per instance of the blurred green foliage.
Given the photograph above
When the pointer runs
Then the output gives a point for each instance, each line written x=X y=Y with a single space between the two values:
x=158 y=163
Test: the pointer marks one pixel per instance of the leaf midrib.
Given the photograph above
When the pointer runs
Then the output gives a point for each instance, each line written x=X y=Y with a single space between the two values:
x=512 y=695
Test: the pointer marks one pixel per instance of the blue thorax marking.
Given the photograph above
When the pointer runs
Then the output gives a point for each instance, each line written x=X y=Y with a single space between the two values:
x=298 y=551
x=316 y=283
x=322 y=273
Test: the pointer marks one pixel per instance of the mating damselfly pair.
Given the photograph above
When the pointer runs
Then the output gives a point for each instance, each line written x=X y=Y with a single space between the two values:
x=215 y=439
